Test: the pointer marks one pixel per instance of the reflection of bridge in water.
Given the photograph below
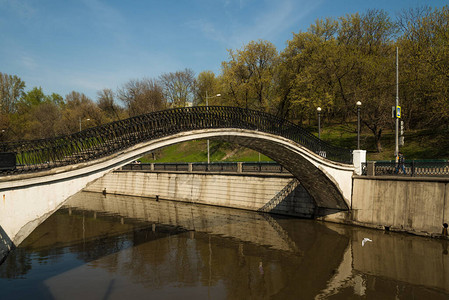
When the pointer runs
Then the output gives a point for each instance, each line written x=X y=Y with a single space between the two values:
x=332 y=254
x=198 y=241
x=341 y=248
x=245 y=226
x=317 y=260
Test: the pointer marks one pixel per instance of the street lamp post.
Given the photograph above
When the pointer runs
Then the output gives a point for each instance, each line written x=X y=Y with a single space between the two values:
x=81 y=123
x=319 y=121
x=359 y=104
x=396 y=135
x=208 y=146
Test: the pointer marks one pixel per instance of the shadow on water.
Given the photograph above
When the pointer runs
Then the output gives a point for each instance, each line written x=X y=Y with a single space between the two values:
x=116 y=247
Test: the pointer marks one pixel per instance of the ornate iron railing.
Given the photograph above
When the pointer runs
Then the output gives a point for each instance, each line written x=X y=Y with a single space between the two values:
x=107 y=139
x=232 y=167
x=414 y=168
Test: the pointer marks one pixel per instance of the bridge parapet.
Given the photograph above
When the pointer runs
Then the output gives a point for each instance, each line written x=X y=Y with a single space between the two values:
x=413 y=168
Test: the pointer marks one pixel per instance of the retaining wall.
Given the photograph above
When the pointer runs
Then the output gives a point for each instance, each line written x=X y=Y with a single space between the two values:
x=244 y=191
x=414 y=205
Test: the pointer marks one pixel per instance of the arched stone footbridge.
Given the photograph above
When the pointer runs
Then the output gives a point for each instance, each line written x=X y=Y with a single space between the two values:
x=50 y=171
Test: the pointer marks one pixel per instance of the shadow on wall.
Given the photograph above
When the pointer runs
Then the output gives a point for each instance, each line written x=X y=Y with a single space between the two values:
x=294 y=200
x=6 y=245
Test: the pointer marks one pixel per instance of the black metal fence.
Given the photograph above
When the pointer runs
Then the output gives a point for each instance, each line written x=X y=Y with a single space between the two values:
x=415 y=168
x=263 y=167
x=246 y=167
x=101 y=141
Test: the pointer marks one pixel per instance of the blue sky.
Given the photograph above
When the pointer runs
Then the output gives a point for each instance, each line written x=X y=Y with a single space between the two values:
x=88 y=45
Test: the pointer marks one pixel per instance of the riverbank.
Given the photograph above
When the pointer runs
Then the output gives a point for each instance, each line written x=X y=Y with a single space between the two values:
x=417 y=206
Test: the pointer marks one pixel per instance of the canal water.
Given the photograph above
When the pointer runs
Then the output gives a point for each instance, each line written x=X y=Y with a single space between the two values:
x=118 y=247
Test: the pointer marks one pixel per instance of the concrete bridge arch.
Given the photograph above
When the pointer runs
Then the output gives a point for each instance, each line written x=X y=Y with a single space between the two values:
x=30 y=197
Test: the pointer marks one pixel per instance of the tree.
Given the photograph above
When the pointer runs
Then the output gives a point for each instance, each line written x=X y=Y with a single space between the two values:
x=106 y=102
x=178 y=87
x=307 y=74
x=36 y=115
x=337 y=63
x=142 y=96
x=34 y=97
x=206 y=84
x=78 y=108
x=43 y=119
x=11 y=90
x=424 y=46
x=247 y=78
x=369 y=38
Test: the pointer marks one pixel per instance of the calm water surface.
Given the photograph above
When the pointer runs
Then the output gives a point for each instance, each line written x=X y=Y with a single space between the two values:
x=118 y=247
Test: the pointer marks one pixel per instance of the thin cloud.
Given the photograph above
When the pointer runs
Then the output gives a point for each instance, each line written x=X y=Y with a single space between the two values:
x=29 y=62
x=267 y=24
x=106 y=19
x=208 y=29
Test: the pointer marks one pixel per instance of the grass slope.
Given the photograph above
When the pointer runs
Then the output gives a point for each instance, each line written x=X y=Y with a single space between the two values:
x=196 y=151
x=424 y=144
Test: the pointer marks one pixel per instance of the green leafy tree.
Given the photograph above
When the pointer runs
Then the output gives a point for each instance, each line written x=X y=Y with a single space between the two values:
x=207 y=85
x=247 y=78
x=337 y=63
x=307 y=75
x=424 y=54
x=36 y=115
x=11 y=90
x=34 y=97
x=369 y=39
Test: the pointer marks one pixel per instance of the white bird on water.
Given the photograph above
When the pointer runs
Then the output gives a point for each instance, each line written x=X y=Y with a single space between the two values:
x=365 y=240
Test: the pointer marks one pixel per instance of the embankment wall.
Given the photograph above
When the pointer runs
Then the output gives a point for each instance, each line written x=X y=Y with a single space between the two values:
x=413 y=205
x=242 y=190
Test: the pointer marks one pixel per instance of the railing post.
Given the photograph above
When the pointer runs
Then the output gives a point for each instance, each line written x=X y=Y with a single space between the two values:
x=239 y=167
x=371 y=168
x=152 y=166
x=359 y=157
x=190 y=167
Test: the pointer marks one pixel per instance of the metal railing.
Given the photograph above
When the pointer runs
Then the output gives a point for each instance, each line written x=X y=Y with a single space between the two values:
x=101 y=141
x=415 y=168
x=245 y=167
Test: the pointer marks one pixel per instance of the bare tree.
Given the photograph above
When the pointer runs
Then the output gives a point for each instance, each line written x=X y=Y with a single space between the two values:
x=106 y=102
x=141 y=96
x=179 y=87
